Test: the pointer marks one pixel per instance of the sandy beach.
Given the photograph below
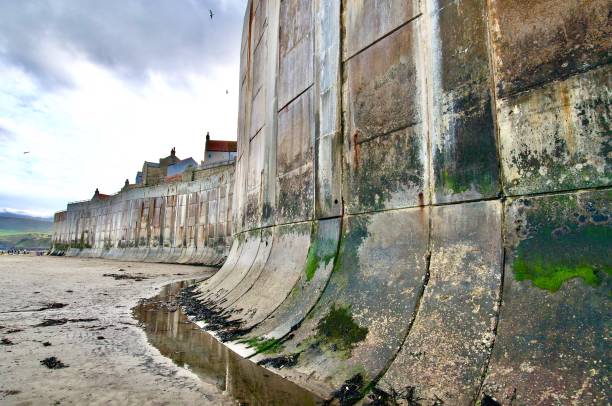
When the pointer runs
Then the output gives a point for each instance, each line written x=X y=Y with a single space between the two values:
x=76 y=316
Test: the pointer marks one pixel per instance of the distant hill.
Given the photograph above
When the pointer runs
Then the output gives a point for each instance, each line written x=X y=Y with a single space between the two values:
x=25 y=241
x=19 y=224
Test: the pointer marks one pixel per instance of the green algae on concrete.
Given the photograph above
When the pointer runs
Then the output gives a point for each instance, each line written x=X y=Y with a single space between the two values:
x=339 y=328
x=318 y=253
x=550 y=346
x=263 y=345
x=563 y=238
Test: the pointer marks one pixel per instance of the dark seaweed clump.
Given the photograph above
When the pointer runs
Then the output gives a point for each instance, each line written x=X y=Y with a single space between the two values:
x=349 y=393
x=53 y=363
x=285 y=361
x=489 y=401
x=216 y=320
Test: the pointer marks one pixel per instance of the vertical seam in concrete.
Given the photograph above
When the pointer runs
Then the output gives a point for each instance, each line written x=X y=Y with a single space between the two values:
x=340 y=120
x=493 y=88
x=426 y=54
x=487 y=363
x=316 y=108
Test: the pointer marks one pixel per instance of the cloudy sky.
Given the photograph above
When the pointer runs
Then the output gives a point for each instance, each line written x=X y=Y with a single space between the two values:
x=93 y=88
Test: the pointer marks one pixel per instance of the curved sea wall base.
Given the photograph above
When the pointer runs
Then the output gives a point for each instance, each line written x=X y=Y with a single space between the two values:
x=458 y=303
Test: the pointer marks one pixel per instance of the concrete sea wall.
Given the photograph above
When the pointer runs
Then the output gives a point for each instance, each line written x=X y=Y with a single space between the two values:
x=422 y=200
x=182 y=222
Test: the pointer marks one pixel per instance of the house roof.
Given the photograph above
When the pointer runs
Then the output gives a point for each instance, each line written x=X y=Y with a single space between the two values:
x=221 y=146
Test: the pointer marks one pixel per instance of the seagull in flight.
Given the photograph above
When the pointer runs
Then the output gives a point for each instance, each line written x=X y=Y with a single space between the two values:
x=226 y=91
x=211 y=13
x=26 y=152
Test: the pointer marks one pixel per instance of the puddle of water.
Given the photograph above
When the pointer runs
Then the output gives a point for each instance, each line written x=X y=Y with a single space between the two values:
x=170 y=331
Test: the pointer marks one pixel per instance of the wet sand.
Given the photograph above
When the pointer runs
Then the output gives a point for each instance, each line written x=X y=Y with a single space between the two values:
x=109 y=360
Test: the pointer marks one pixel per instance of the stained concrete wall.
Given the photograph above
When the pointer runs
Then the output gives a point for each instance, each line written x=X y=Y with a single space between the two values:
x=422 y=200
x=182 y=222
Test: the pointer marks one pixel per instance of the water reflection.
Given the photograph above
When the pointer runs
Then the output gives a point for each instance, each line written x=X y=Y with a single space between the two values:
x=171 y=332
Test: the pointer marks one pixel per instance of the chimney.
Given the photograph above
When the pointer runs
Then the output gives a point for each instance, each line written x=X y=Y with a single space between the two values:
x=127 y=182
x=173 y=151
x=97 y=192
x=207 y=136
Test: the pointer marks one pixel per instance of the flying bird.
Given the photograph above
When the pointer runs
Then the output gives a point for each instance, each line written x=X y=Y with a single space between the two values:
x=26 y=152
x=227 y=92
x=211 y=13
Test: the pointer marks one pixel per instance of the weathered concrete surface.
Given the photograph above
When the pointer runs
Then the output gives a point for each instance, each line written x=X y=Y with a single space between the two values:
x=351 y=330
x=295 y=184
x=557 y=137
x=385 y=145
x=536 y=41
x=252 y=243
x=464 y=151
x=424 y=130
x=278 y=277
x=551 y=345
x=184 y=222
x=247 y=280
x=447 y=348
x=306 y=292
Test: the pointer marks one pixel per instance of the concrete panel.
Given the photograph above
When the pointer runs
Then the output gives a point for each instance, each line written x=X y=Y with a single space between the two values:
x=352 y=331
x=366 y=21
x=538 y=41
x=385 y=145
x=327 y=91
x=295 y=49
x=249 y=275
x=310 y=286
x=551 y=345
x=279 y=276
x=557 y=137
x=242 y=266
x=294 y=158
x=463 y=140
x=445 y=353
x=268 y=190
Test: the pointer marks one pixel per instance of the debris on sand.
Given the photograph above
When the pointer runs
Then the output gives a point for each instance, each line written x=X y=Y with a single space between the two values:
x=4 y=393
x=14 y=330
x=101 y=338
x=53 y=363
x=6 y=341
x=70 y=291
x=52 y=305
x=46 y=344
x=59 y=322
x=48 y=306
x=118 y=276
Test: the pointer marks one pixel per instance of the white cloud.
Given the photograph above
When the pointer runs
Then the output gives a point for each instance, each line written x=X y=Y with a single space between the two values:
x=98 y=131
